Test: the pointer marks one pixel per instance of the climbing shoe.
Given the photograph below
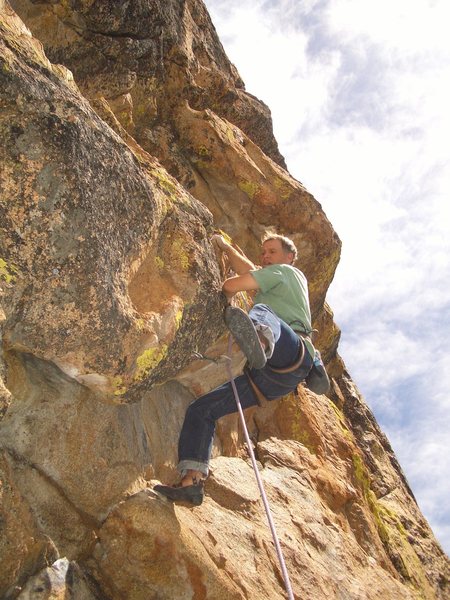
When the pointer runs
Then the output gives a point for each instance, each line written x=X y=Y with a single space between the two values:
x=192 y=494
x=317 y=379
x=246 y=336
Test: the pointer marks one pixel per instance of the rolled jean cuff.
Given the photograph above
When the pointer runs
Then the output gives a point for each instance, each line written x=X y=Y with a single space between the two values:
x=192 y=465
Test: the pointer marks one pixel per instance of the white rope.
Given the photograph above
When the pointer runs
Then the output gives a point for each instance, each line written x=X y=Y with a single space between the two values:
x=287 y=582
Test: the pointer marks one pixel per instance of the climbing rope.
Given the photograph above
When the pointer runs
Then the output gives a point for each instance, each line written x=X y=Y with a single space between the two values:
x=287 y=582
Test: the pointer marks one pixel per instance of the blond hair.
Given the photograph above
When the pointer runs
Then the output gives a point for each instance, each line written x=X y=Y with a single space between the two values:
x=286 y=243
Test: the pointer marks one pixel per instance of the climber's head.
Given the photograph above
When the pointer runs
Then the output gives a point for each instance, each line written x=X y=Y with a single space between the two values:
x=277 y=250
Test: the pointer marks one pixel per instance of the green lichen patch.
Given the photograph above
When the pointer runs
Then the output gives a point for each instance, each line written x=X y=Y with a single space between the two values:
x=179 y=254
x=363 y=478
x=202 y=157
x=283 y=188
x=118 y=385
x=231 y=133
x=178 y=318
x=8 y=272
x=203 y=151
x=249 y=187
x=159 y=263
x=140 y=324
x=403 y=553
x=165 y=183
x=148 y=360
x=341 y=422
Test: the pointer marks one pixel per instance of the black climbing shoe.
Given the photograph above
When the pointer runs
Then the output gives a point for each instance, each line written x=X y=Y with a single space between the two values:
x=246 y=336
x=192 y=494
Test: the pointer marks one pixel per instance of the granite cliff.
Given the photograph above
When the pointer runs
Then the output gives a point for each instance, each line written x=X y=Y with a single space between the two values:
x=127 y=139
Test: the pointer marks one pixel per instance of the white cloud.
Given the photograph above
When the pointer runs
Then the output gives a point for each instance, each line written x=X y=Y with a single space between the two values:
x=359 y=93
x=383 y=357
x=424 y=450
x=403 y=26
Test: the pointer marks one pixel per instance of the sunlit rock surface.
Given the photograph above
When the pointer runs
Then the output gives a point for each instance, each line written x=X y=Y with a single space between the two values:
x=127 y=139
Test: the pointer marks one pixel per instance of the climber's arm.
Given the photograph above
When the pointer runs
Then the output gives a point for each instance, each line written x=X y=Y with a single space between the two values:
x=238 y=261
x=240 y=283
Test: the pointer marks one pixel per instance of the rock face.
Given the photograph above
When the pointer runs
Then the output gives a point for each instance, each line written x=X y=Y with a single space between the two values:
x=128 y=138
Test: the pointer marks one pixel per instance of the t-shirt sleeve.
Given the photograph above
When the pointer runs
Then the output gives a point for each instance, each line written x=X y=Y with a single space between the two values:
x=268 y=277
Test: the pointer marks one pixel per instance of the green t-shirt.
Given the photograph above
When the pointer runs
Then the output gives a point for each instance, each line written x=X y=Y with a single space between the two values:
x=284 y=288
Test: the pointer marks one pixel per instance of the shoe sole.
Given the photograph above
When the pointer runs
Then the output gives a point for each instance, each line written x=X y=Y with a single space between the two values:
x=179 y=495
x=246 y=336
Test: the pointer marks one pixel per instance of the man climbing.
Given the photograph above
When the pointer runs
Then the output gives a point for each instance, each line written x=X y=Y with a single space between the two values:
x=274 y=336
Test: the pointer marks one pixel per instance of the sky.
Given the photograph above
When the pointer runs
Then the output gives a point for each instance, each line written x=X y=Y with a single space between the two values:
x=360 y=98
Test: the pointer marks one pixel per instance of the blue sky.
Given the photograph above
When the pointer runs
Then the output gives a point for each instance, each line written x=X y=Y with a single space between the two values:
x=360 y=95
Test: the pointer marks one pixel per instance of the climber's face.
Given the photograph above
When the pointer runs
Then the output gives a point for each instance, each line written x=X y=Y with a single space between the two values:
x=273 y=253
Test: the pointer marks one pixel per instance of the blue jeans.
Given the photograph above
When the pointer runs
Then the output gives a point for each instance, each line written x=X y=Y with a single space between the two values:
x=197 y=433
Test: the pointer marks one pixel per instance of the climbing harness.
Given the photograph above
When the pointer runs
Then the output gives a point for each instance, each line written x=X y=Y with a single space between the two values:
x=258 y=393
x=258 y=477
x=296 y=365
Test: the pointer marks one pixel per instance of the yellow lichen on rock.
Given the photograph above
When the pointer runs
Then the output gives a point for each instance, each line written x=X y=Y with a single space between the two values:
x=166 y=183
x=159 y=262
x=179 y=254
x=178 y=318
x=118 y=385
x=283 y=187
x=250 y=188
x=149 y=360
x=8 y=272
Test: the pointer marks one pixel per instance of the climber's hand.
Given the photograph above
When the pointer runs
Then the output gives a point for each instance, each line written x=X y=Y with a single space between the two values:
x=239 y=263
x=219 y=241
